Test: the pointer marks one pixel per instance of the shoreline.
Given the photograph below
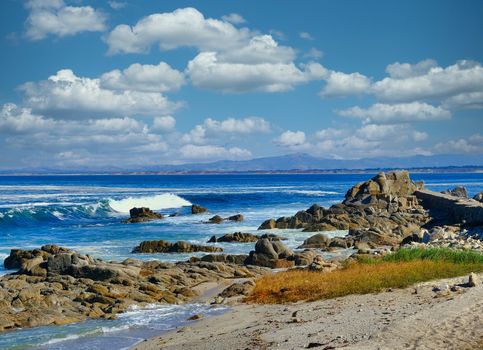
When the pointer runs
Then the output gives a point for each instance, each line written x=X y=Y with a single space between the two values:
x=415 y=317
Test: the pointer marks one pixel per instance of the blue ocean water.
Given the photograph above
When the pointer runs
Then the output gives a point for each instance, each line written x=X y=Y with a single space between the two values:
x=85 y=213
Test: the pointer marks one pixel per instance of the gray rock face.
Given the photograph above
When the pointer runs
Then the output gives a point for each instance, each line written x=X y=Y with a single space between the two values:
x=458 y=191
x=478 y=197
x=320 y=240
x=168 y=247
x=142 y=215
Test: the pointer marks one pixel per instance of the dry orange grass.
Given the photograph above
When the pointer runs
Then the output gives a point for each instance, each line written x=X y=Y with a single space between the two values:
x=356 y=278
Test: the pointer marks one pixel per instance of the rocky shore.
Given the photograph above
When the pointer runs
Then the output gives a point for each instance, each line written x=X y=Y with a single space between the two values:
x=55 y=285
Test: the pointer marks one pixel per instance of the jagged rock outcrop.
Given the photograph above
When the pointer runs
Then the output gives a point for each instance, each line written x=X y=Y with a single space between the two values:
x=238 y=237
x=198 y=209
x=458 y=191
x=162 y=246
x=142 y=214
x=55 y=285
x=384 y=208
x=478 y=197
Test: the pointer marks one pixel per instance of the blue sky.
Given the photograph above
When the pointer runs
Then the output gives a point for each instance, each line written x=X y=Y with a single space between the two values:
x=126 y=83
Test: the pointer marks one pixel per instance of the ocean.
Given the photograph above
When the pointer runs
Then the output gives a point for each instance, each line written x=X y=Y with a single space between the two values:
x=85 y=213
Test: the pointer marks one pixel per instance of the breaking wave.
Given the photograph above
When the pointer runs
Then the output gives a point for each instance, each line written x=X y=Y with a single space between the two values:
x=156 y=202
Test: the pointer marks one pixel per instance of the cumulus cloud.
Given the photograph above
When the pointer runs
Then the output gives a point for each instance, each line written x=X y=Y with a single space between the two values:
x=208 y=72
x=314 y=53
x=234 y=18
x=370 y=140
x=243 y=126
x=164 y=124
x=342 y=84
x=146 y=78
x=53 y=17
x=182 y=27
x=117 y=5
x=472 y=144
x=393 y=113
x=68 y=95
x=211 y=152
x=293 y=140
x=306 y=36
x=414 y=83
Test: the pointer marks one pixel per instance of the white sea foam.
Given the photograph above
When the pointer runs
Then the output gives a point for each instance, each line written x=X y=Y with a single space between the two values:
x=156 y=202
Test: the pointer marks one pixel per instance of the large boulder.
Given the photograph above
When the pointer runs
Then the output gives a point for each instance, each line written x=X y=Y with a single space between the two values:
x=273 y=254
x=162 y=246
x=478 y=197
x=237 y=217
x=320 y=241
x=458 y=191
x=142 y=214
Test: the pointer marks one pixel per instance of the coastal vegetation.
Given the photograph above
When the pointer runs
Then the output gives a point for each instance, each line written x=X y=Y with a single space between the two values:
x=401 y=269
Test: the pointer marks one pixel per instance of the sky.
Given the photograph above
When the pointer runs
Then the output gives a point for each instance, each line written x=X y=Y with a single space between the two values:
x=91 y=83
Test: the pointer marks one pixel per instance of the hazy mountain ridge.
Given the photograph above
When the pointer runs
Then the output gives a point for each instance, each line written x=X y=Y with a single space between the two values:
x=290 y=162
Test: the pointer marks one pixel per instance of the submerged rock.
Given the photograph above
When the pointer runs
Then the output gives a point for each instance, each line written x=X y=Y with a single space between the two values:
x=142 y=214
x=162 y=246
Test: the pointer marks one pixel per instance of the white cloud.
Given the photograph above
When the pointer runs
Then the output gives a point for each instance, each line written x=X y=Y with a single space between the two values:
x=260 y=49
x=293 y=140
x=465 y=100
x=331 y=133
x=146 y=78
x=314 y=53
x=473 y=144
x=342 y=84
x=234 y=18
x=243 y=126
x=68 y=95
x=164 y=124
x=53 y=17
x=391 y=113
x=211 y=152
x=117 y=5
x=208 y=72
x=405 y=70
x=195 y=135
x=14 y=119
x=182 y=27
x=306 y=36
x=431 y=83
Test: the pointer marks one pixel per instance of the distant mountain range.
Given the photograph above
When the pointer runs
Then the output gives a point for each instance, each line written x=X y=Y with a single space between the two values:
x=299 y=162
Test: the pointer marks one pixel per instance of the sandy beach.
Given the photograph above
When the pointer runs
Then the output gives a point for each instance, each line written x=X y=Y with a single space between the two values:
x=443 y=314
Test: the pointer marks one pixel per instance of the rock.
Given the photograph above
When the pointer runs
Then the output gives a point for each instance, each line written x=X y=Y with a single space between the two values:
x=142 y=214
x=304 y=258
x=195 y=317
x=269 y=224
x=273 y=237
x=235 y=237
x=238 y=289
x=473 y=280
x=319 y=264
x=478 y=197
x=225 y=258
x=320 y=241
x=74 y=286
x=237 y=217
x=215 y=219
x=168 y=247
x=458 y=191
x=272 y=254
x=198 y=209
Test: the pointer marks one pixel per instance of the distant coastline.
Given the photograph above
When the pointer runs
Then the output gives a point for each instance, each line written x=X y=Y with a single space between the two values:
x=420 y=170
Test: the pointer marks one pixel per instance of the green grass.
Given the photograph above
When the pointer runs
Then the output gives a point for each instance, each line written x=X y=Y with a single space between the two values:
x=433 y=254
x=401 y=269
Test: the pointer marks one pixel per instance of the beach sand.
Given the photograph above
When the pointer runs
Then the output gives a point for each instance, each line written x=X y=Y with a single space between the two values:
x=417 y=317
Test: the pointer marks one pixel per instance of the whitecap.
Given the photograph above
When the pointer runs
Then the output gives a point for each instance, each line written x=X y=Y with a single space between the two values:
x=156 y=202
